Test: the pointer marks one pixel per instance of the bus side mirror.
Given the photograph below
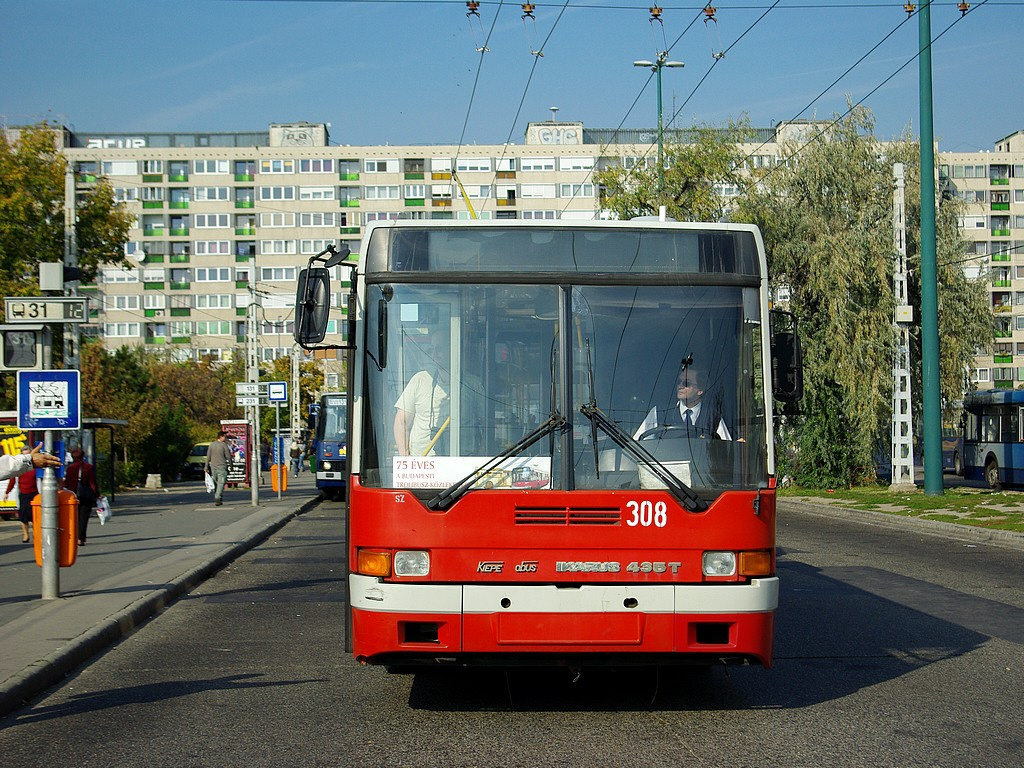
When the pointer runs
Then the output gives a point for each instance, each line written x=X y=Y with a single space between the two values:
x=312 y=305
x=787 y=361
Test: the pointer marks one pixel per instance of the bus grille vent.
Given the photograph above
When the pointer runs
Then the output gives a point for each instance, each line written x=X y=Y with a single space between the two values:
x=567 y=516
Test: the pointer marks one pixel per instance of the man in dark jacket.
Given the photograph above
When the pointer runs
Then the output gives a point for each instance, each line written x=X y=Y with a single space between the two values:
x=218 y=457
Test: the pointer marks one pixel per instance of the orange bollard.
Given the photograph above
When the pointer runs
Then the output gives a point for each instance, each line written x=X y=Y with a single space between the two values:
x=283 y=474
x=67 y=528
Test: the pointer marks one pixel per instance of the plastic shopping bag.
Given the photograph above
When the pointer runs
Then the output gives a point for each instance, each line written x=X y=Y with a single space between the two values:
x=103 y=509
x=209 y=482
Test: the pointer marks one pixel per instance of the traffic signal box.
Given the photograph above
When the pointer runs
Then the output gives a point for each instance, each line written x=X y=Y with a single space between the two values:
x=21 y=348
x=67 y=528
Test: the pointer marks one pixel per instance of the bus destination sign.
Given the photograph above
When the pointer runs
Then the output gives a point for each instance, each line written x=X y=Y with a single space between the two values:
x=44 y=309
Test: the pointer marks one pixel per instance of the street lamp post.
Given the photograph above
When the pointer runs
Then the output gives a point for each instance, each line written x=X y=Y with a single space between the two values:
x=656 y=66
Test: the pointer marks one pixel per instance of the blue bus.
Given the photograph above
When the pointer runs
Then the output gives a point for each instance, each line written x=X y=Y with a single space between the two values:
x=331 y=437
x=994 y=437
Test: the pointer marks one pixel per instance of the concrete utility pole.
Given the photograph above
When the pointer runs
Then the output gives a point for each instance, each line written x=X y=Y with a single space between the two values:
x=902 y=422
x=71 y=330
x=252 y=370
x=297 y=420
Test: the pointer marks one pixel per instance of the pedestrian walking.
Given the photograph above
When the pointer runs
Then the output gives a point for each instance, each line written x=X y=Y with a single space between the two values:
x=218 y=457
x=27 y=491
x=80 y=477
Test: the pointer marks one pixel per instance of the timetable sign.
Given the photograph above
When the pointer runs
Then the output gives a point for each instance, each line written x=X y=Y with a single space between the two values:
x=44 y=309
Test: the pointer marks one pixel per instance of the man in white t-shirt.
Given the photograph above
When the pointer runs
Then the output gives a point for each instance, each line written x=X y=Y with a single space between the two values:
x=421 y=410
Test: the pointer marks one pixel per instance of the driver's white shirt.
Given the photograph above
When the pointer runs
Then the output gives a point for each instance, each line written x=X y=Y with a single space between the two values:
x=651 y=420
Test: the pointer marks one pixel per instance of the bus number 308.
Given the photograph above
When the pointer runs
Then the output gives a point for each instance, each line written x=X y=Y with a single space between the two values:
x=647 y=513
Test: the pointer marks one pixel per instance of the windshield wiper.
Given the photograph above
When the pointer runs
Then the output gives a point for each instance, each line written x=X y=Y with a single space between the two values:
x=457 y=490
x=683 y=493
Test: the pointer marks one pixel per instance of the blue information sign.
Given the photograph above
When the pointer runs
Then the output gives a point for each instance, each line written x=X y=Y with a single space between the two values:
x=49 y=400
x=277 y=391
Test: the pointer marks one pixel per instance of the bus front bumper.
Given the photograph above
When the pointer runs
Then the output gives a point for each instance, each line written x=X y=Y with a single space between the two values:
x=393 y=623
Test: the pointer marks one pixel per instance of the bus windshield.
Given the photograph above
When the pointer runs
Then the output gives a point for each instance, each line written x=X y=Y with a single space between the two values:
x=457 y=373
x=331 y=419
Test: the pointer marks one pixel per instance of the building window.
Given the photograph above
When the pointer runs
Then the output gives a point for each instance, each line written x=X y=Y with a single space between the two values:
x=317 y=220
x=572 y=163
x=211 y=220
x=277 y=247
x=414 y=191
x=213 y=274
x=537 y=190
x=537 y=164
x=276 y=273
x=316 y=193
x=277 y=166
x=471 y=164
x=126 y=303
x=213 y=301
x=209 y=166
x=317 y=165
x=152 y=194
x=154 y=301
x=121 y=330
x=381 y=166
x=540 y=215
x=576 y=190
x=277 y=219
x=204 y=194
x=212 y=247
x=313 y=246
x=120 y=168
x=381 y=193
x=152 y=166
x=277 y=193
x=118 y=275
x=213 y=328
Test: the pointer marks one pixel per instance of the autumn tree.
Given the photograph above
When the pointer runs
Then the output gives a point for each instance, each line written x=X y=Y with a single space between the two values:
x=693 y=172
x=826 y=216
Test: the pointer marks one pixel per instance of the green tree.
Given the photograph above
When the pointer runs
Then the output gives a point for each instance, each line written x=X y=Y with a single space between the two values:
x=693 y=170
x=32 y=172
x=826 y=217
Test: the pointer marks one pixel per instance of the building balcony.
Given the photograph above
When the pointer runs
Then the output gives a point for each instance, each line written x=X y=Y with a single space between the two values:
x=414 y=202
x=1000 y=206
x=348 y=230
x=241 y=311
x=348 y=177
x=152 y=203
x=1002 y=358
x=181 y=340
x=1000 y=233
x=153 y=258
x=152 y=178
x=154 y=232
x=414 y=176
x=1002 y=384
x=441 y=202
x=242 y=283
x=154 y=286
x=245 y=203
x=505 y=201
x=241 y=258
x=441 y=176
x=1001 y=309
x=506 y=174
x=999 y=182
x=87 y=178
x=354 y=203
x=1000 y=257
x=179 y=231
x=1003 y=333
x=181 y=312
x=180 y=286
x=153 y=312
x=178 y=258
x=1001 y=283
x=245 y=231
x=245 y=177
x=178 y=204
x=156 y=340
x=177 y=177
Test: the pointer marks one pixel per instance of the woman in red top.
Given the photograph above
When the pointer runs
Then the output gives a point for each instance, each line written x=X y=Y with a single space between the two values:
x=27 y=491
x=80 y=477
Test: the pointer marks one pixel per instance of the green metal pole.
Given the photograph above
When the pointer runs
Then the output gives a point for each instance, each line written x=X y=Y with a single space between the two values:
x=932 y=412
x=661 y=151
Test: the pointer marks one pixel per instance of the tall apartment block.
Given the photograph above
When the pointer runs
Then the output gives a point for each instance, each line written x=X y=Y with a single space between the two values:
x=225 y=220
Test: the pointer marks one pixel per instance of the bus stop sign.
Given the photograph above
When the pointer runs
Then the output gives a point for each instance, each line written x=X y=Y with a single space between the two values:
x=49 y=400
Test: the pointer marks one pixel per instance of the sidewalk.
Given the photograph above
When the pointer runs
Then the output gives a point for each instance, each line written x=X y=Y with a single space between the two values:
x=158 y=546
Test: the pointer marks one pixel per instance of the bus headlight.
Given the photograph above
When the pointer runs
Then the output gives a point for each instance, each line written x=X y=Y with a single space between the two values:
x=412 y=563
x=719 y=563
x=325 y=466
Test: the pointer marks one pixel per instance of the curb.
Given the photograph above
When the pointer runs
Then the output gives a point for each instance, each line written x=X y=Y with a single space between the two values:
x=940 y=528
x=19 y=689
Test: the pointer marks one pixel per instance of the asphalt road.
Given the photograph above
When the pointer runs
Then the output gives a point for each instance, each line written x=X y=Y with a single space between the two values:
x=894 y=648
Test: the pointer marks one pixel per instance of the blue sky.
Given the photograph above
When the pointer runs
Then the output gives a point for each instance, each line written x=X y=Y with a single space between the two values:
x=408 y=72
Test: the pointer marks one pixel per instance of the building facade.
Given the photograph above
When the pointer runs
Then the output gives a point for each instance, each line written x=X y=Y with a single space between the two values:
x=226 y=220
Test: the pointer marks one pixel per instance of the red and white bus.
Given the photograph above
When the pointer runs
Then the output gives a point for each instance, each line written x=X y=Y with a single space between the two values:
x=487 y=353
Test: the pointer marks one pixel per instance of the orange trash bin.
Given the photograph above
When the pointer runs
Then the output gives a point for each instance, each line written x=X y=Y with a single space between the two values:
x=279 y=470
x=67 y=528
